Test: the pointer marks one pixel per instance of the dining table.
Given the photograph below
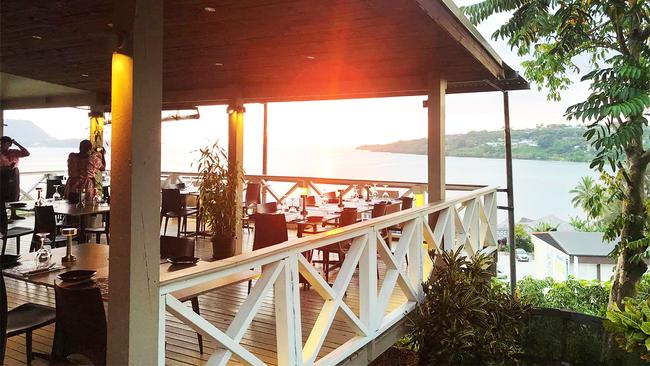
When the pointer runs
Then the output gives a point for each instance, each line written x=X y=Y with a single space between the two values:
x=95 y=257
x=66 y=208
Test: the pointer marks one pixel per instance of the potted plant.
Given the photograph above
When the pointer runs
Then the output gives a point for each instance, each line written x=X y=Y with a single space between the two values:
x=219 y=200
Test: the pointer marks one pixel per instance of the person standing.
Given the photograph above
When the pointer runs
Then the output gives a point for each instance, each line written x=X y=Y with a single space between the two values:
x=9 y=173
x=82 y=170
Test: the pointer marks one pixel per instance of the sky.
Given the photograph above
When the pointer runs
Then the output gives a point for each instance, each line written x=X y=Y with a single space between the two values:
x=350 y=122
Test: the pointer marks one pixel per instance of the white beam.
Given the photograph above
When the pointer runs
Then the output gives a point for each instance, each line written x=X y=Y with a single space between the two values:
x=136 y=89
x=236 y=160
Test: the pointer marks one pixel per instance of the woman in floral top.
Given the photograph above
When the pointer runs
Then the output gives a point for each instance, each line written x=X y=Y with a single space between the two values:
x=82 y=169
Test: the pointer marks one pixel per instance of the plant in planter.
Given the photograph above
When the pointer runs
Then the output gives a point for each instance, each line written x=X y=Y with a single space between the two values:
x=219 y=200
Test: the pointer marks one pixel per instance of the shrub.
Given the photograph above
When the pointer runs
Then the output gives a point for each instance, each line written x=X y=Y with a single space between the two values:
x=631 y=326
x=464 y=319
x=587 y=297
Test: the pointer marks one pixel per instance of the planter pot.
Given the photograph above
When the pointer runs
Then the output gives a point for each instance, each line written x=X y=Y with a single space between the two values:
x=223 y=246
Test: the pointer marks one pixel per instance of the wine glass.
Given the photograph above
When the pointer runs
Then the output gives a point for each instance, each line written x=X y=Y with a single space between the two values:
x=43 y=256
x=385 y=196
x=355 y=193
x=40 y=201
x=375 y=194
x=56 y=196
x=323 y=200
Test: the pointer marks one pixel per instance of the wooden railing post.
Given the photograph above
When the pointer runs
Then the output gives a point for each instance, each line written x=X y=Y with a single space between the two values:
x=368 y=284
x=286 y=292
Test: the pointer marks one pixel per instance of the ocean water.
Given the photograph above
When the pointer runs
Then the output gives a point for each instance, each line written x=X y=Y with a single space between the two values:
x=541 y=187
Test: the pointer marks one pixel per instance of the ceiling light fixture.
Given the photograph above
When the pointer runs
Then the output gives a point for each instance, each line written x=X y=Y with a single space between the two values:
x=218 y=64
x=84 y=75
x=36 y=36
x=209 y=9
x=310 y=57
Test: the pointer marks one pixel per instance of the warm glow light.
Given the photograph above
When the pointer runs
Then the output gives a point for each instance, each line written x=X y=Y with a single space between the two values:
x=419 y=199
x=304 y=191
x=97 y=131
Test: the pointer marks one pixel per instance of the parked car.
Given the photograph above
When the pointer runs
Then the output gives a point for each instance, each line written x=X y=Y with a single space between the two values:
x=521 y=255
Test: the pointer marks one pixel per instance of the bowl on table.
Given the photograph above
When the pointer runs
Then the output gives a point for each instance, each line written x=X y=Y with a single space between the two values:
x=17 y=204
x=315 y=218
x=76 y=275
x=183 y=261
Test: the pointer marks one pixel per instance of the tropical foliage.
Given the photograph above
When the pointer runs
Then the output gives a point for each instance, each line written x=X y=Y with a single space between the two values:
x=631 y=326
x=464 y=319
x=587 y=297
x=522 y=238
x=613 y=37
x=543 y=227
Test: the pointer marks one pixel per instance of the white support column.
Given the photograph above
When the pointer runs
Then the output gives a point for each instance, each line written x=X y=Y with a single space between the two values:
x=136 y=100
x=236 y=112
x=368 y=284
x=286 y=294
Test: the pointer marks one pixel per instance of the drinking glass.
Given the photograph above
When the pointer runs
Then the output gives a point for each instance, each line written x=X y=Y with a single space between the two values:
x=375 y=194
x=355 y=193
x=40 y=201
x=385 y=196
x=323 y=200
x=43 y=256
x=56 y=196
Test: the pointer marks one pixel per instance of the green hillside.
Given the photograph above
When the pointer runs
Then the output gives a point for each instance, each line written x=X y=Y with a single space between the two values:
x=553 y=142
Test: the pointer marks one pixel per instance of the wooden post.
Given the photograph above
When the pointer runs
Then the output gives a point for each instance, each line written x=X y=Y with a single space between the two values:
x=236 y=161
x=511 y=199
x=265 y=147
x=2 y=120
x=136 y=99
x=436 y=140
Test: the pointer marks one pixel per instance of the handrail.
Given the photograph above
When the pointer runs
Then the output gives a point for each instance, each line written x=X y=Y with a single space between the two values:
x=322 y=239
x=467 y=222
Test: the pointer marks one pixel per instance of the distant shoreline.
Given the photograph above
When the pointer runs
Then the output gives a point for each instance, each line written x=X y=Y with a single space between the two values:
x=477 y=157
x=544 y=143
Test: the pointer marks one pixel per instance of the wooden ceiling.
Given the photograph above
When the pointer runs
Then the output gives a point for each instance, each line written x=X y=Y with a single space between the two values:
x=270 y=50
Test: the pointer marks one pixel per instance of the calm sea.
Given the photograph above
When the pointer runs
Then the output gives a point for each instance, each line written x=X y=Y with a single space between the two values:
x=541 y=187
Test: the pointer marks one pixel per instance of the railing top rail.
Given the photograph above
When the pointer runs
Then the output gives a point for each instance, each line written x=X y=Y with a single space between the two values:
x=305 y=243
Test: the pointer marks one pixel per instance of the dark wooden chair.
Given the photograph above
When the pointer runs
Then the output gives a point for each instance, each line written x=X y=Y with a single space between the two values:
x=45 y=222
x=104 y=229
x=173 y=207
x=348 y=217
x=391 y=193
x=253 y=194
x=407 y=202
x=171 y=247
x=311 y=201
x=23 y=319
x=267 y=208
x=270 y=229
x=7 y=233
x=331 y=197
x=81 y=324
x=379 y=209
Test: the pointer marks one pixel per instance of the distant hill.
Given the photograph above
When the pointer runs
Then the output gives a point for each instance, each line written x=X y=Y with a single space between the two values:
x=553 y=142
x=30 y=135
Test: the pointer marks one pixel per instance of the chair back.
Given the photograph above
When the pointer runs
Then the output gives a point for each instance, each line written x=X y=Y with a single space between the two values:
x=3 y=318
x=379 y=209
x=392 y=208
x=4 y=220
x=270 y=229
x=311 y=201
x=49 y=187
x=172 y=201
x=391 y=193
x=407 y=202
x=171 y=246
x=331 y=197
x=44 y=222
x=267 y=208
x=253 y=190
x=106 y=192
x=348 y=216
x=80 y=324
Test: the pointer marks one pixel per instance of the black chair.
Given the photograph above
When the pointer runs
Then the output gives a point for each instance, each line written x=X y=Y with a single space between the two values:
x=81 y=324
x=348 y=217
x=407 y=202
x=270 y=229
x=23 y=319
x=45 y=222
x=171 y=247
x=173 y=207
x=14 y=232
x=104 y=229
x=253 y=194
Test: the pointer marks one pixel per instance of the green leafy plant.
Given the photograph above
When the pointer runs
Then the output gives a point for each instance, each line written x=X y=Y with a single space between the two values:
x=613 y=37
x=464 y=319
x=631 y=326
x=522 y=238
x=218 y=192
x=587 y=297
x=543 y=227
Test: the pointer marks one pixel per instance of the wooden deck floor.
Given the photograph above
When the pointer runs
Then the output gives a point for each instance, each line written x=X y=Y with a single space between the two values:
x=219 y=307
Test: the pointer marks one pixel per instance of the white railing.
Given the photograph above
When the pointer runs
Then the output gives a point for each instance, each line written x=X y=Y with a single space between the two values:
x=468 y=222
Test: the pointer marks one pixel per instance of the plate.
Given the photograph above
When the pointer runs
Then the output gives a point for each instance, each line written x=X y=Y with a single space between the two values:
x=76 y=275
x=183 y=260
x=18 y=204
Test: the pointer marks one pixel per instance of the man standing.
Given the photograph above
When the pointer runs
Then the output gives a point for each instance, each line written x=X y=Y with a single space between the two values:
x=9 y=174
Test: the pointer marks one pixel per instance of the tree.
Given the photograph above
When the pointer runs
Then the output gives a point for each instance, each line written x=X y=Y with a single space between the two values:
x=522 y=238
x=613 y=36
x=588 y=195
x=543 y=227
